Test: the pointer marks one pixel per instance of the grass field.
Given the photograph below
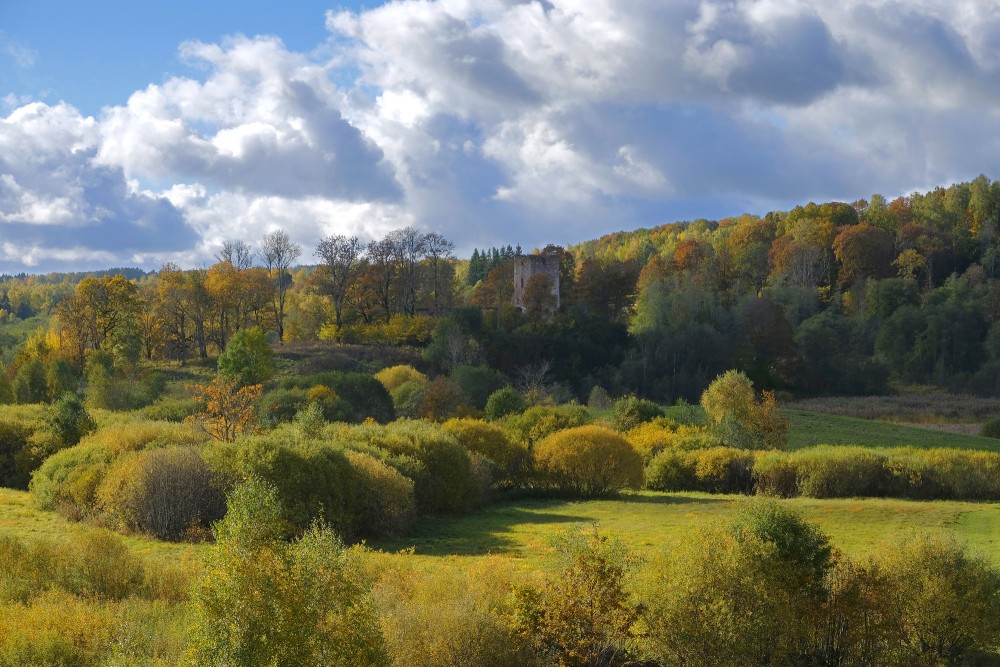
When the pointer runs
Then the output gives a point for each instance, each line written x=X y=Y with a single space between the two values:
x=649 y=521
x=815 y=428
x=18 y=518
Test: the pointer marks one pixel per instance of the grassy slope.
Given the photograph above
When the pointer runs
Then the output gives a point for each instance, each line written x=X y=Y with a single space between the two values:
x=650 y=521
x=18 y=518
x=814 y=428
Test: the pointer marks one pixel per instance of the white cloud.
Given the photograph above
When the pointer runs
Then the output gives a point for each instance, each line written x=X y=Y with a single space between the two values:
x=506 y=121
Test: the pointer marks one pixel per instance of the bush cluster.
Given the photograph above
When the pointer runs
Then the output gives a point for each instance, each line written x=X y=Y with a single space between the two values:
x=830 y=472
x=587 y=461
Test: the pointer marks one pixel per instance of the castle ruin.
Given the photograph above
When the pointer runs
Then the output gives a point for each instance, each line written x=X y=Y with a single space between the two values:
x=527 y=266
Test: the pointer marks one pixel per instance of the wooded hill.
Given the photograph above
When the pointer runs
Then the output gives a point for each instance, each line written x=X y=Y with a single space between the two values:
x=825 y=298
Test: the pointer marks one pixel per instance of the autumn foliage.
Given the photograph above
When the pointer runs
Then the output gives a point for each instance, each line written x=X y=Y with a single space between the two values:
x=230 y=410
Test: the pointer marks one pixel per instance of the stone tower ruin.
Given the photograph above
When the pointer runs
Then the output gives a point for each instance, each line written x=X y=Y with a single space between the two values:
x=526 y=266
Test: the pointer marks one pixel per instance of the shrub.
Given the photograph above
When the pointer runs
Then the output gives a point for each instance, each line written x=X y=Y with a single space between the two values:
x=331 y=405
x=264 y=601
x=740 y=420
x=162 y=492
x=16 y=463
x=407 y=398
x=492 y=442
x=443 y=479
x=671 y=470
x=540 y=421
x=441 y=400
x=948 y=602
x=69 y=420
x=55 y=629
x=651 y=438
x=451 y=616
x=723 y=470
x=588 y=461
x=312 y=482
x=67 y=480
x=396 y=376
x=503 y=402
x=775 y=474
x=170 y=409
x=841 y=472
x=281 y=405
x=122 y=437
x=367 y=396
x=738 y=596
x=478 y=383
x=248 y=358
x=629 y=411
x=387 y=506
x=599 y=399
x=584 y=615
x=991 y=428
x=96 y=563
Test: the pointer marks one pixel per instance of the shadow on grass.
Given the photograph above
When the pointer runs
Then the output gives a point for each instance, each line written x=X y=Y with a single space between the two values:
x=669 y=499
x=487 y=530
x=479 y=533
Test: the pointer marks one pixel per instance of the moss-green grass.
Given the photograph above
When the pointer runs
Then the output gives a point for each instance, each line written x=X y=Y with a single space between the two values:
x=20 y=519
x=648 y=521
x=814 y=428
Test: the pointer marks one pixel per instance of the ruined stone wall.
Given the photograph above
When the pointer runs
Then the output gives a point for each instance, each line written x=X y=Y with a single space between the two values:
x=527 y=266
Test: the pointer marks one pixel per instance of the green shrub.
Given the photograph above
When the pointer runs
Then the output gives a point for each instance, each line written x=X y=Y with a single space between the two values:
x=775 y=474
x=407 y=397
x=540 y=421
x=991 y=428
x=265 y=601
x=312 y=482
x=629 y=411
x=504 y=402
x=69 y=419
x=170 y=409
x=443 y=480
x=723 y=469
x=281 y=405
x=16 y=463
x=491 y=441
x=947 y=601
x=367 y=396
x=671 y=470
x=387 y=506
x=841 y=472
x=67 y=481
x=478 y=383
x=331 y=405
x=587 y=461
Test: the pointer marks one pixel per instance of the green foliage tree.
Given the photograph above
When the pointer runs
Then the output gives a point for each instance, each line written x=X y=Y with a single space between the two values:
x=504 y=401
x=69 y=419
x=263 y=601
x=248 y=358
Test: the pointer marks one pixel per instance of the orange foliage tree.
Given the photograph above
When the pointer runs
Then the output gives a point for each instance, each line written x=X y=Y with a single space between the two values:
x=230 y=410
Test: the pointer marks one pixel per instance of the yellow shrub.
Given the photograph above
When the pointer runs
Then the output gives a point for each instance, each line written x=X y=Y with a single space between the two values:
x=134 y=436
x=394 y=377
x=588 y=461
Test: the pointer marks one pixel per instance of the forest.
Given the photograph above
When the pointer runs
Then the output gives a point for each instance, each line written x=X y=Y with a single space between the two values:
x=378 y=459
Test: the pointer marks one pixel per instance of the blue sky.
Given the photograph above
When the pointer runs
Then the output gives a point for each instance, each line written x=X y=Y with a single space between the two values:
x=135 y=133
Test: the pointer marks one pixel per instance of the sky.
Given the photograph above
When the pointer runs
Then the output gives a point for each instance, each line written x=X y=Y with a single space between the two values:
x=138 y=133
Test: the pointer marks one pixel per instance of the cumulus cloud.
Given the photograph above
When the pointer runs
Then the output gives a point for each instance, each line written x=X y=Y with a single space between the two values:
x=515 y=121
x=59 y=207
